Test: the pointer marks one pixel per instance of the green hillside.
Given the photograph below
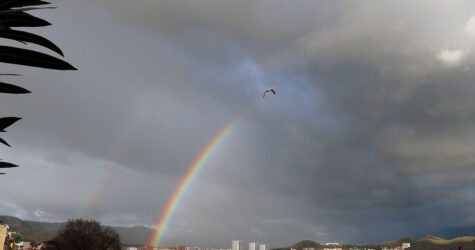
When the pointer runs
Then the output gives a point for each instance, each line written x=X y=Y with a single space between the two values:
x=31 y=230
x=41 y=231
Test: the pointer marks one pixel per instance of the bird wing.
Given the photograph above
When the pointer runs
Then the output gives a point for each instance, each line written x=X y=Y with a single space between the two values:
x=273 y=91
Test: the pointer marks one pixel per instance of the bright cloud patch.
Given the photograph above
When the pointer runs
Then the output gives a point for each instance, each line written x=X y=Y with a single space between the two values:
x=470 y=27
x=451 y=58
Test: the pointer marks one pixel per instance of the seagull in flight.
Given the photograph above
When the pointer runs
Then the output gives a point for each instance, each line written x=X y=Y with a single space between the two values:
x=268 y=90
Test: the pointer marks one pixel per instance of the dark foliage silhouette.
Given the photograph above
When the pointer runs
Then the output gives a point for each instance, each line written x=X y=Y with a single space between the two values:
x=87 y=234
x=13 y=15
x=48 y=245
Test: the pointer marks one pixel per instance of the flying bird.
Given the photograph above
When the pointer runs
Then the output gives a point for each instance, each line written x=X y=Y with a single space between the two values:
x=268 y=90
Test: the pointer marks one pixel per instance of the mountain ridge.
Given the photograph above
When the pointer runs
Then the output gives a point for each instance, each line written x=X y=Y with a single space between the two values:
x=429 y=242
x=140 y=236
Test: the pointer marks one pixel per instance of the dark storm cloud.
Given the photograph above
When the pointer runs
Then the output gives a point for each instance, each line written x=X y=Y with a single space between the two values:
x=369 y=137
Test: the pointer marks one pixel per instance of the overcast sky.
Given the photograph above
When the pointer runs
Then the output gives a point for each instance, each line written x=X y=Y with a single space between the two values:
x=370 y=137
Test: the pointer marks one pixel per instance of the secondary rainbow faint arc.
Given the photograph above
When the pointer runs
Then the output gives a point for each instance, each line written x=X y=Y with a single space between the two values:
x=187 y=179
x=124 y=144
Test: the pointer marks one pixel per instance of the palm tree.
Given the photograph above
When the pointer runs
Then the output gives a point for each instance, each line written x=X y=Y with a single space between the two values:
x=13 y=14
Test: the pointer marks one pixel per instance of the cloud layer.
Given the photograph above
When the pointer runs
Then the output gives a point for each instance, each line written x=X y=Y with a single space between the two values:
x=369 y=138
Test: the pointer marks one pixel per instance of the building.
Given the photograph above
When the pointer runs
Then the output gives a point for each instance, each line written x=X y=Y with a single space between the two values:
x=332 y=246
x=253 y=246
x=262 y=246
x=3 y=235
x=149 y=248
x=22 y=245
x=144 y=248
x=401 y=247
x=237 y=245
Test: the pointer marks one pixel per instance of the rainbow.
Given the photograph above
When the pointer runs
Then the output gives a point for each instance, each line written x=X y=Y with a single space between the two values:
x=103 y=179
x=174 y=200
x=108 y=170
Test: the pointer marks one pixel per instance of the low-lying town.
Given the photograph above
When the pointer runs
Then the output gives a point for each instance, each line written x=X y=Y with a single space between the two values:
x=237 y=245
x=15 y=241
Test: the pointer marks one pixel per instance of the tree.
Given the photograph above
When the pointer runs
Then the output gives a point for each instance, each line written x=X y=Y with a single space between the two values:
x=82 y=234
x=13 y=15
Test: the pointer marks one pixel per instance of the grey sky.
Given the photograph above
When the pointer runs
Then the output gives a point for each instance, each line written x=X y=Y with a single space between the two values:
x=370 y=136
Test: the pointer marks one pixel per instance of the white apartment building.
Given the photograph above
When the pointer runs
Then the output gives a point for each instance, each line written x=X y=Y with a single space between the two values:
x=253 y=246
x=263 y=247
x=332 y=246
x=236 y=245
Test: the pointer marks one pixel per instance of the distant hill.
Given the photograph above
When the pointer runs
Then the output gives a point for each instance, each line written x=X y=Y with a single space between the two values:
x=431 y=242
x=306 y=244
x=301 y=245
x=41 y=231
x=436 y=243
x=426 y=243
x=393 y=243
x=137 y=236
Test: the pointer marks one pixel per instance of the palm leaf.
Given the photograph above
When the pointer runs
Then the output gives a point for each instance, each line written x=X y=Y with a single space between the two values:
x=13 y=14
x=4 y=142
x=6 y=122
x=32 y=58
x=12 y=89
x=7 y=165
x=21 y=19
x=24 y=9
x=30 y=38
x=21 y=3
